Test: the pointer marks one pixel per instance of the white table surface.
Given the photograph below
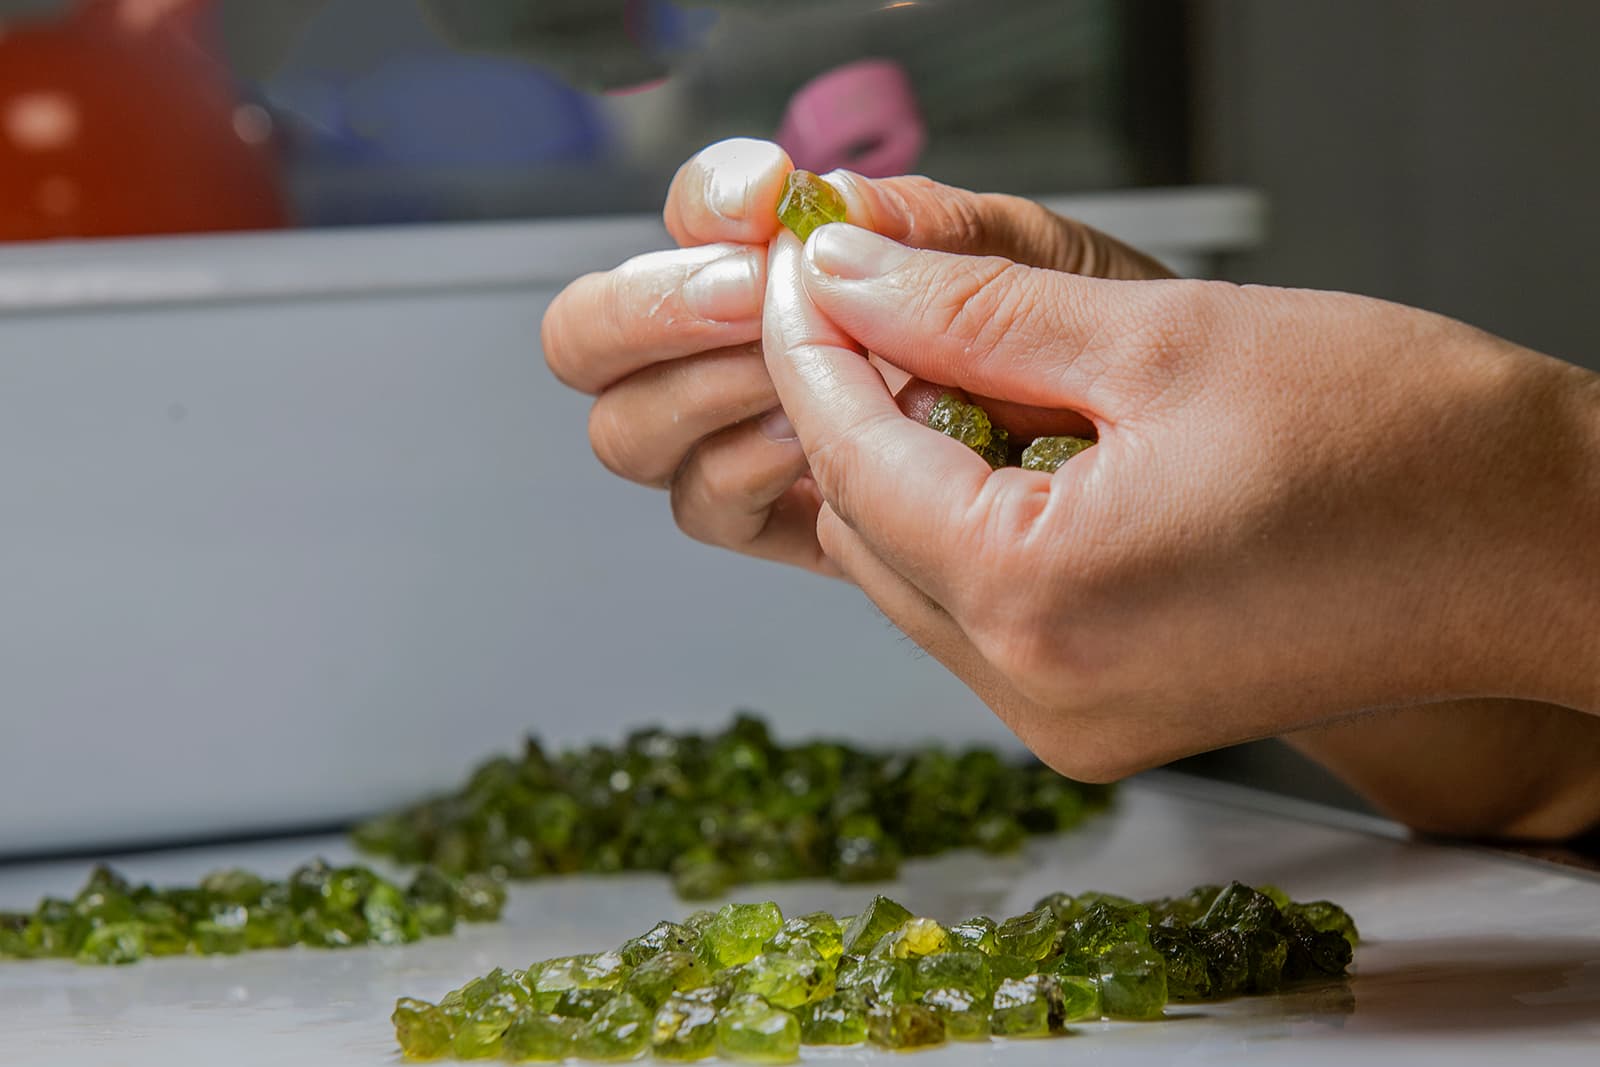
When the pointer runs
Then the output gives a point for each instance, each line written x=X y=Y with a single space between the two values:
x=1469 y=958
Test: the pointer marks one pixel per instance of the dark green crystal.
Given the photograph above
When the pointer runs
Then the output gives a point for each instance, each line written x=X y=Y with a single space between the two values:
x=971 y=425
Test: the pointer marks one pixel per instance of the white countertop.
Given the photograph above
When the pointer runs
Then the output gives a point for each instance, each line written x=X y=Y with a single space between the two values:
x=1470 y=957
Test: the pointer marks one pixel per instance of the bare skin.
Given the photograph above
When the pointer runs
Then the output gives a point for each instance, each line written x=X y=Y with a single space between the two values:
x=1309 y=514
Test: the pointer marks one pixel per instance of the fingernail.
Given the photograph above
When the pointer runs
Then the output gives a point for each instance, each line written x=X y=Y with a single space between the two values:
x=852 y=253
x=725 y=290
x=730 y=168
x=775 y=426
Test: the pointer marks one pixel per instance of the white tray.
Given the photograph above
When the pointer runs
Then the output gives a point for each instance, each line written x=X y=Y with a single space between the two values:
x=1470 y=957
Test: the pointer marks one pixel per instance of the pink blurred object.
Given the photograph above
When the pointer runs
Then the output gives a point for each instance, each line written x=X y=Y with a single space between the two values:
x=862 y=116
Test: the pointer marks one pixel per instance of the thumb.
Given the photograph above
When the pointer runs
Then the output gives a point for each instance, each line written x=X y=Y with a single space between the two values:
x=986 y=325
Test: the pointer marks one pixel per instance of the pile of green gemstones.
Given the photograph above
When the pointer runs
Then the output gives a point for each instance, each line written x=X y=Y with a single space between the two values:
x=230 y=911
x=745 y=984
x=972 y=426
x=728 y=809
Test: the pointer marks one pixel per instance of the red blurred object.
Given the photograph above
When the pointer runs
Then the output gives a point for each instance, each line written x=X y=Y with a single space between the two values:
x=120 y=119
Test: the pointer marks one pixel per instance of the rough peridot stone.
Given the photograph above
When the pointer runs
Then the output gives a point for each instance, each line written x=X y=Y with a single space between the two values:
x=620 y=1030
x=809 y=202
x=786 y=980
x=840 y=1019
x=1080 y=997
x=684 y=1029
x=421 y=1029
x=971 y=425
x=965 y=1015
x=750 y=1030
x=975 y=933
x=1133 y=982
x=1022 y=1007
x=904 y=1026
x=1029 y=936
x=879 y=917
x=737 y=933
x=1049 y=453
x=657 y=978
x=540 y=1038
x=819 y=930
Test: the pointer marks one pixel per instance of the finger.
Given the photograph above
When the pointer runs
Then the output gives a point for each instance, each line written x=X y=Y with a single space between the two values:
x=728 y=192
x=643 y=427
x=741 y=490
x=925 y=214
x=655 y=307
x=905 y=488
x=991 y=326
x=922 y=620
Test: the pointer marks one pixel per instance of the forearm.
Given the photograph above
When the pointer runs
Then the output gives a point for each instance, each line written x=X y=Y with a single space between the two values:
x=1480 y=768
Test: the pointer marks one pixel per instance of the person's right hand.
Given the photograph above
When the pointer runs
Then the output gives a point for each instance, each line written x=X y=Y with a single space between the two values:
x=669 y=343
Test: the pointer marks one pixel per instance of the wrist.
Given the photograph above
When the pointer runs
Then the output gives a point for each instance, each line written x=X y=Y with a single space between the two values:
x=1554 y=584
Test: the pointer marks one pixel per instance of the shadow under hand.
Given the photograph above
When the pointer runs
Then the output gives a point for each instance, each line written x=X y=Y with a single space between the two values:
x=1484 y=985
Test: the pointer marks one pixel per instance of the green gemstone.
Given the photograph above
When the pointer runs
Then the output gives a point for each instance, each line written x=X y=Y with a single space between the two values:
x=620 y=1030
x=964 y=1014
x=1049 y=453
x=819 y=930
x=1133 y=982
x=1002 y=967
x=1029 y=936
x=1227 y=961
x=998 y=834
x=1326 y=916
x=117 y=943
x=1240 y=907
x=234 y=886
x=657 y=978
x=390 y=920
x=737 y=933
x=976 y=933
x=964 y=969
x=840 y=1019
x=543 y=1038
x=1266 y=953
x=224 y=934
x=1023 y=1007
x=479 y=1031
x=971 y=425
x=1313 y=953
x=1106 y=924
x=685 y=1028
x=1188 y=972
x=880 y=981
x=809 y=202
x=863 y=851
x=480 y=898
x=750 y=1030
x=600 y=970
x=1080 y=997
x=880 y=917
x=913 y=938
x=904 y=1026
x=662 y=937
x=321 y=929
x=786 y=980
x=582 y=1003
x=421 y=1029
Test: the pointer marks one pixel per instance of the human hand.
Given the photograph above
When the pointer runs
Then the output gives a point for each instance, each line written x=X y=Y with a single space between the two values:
x=669 y=343
x=1301 y=504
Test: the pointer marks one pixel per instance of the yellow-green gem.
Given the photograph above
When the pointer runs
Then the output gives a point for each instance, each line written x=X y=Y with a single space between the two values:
x=809 y=202
x=1049 y=453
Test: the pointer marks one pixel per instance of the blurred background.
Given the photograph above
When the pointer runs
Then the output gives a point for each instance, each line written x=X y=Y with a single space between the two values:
x=297 y=525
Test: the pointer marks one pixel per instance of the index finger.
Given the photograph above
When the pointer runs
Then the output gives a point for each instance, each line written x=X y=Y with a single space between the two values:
x=728 y=191
x=909 y=491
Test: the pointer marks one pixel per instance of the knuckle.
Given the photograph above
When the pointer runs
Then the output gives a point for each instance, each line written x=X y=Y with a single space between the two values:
x=984 y=306
x=616 y=444
x=554 y=340
x=691 y=512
